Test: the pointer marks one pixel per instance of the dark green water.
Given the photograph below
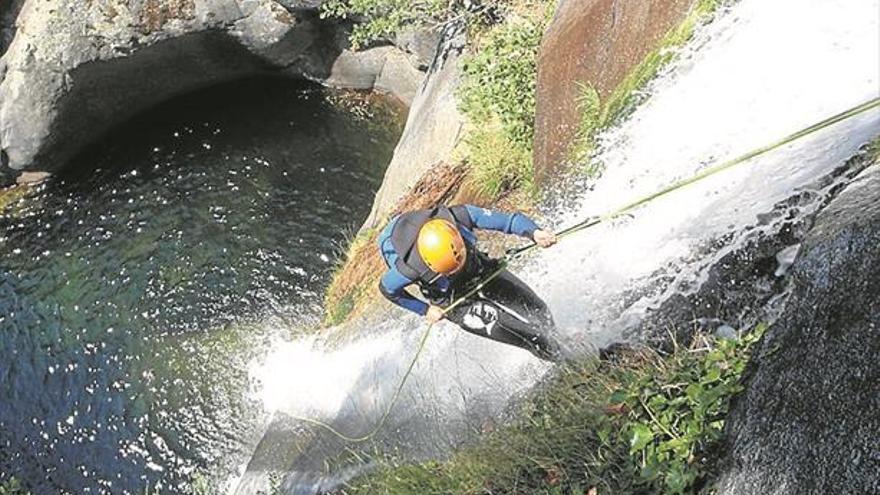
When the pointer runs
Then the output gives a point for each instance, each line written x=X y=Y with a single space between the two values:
x=135 y=292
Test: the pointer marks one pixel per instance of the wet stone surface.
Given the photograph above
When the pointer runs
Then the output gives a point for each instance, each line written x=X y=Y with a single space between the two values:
x=744 y=280
x=809 y=419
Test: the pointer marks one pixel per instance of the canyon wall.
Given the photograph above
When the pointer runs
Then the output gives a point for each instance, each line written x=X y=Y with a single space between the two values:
x=71 y=70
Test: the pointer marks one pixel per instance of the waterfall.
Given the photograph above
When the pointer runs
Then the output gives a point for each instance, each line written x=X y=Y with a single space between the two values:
x=760 y=71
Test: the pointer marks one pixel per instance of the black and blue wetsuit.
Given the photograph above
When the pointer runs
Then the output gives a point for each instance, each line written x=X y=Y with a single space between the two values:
x=506 y=310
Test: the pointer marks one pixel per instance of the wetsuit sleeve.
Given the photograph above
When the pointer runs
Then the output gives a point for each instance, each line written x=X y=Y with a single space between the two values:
x=509 y=223
x=393 y=284
x=393 y=287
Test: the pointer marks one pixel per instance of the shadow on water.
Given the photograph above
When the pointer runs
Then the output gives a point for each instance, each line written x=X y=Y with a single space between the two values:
x=136 y=287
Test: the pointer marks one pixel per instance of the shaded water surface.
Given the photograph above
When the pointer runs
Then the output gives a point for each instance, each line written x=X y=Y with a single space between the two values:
x=135 y=291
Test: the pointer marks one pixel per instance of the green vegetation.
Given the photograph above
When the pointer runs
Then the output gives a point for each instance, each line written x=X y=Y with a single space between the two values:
x=598 y=114
x=873 y=149
x=11 y=195
x=498 y=97
x=642 y=423
x=355 y=274
x=340 y=311
x=498 y=165
x=590 y=106
x=625 y=97
x=499 y=78
x=381 y=18
x=499 y=73
x=384 y=19
x=11 y=486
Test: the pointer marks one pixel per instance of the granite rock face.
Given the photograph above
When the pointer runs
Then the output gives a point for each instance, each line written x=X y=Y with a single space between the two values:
x=594 y=42
x=809 y=418
x=432 y=130
x=72 y=70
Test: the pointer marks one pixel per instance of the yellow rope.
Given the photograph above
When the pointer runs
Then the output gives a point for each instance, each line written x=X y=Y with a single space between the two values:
x=864 y=107
x=381 y=422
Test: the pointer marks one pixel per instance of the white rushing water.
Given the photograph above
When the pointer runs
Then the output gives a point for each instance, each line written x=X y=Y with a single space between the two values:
x=761 y=71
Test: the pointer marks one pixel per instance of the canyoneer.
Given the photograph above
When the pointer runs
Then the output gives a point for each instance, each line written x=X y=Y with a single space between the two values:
x=436 y=249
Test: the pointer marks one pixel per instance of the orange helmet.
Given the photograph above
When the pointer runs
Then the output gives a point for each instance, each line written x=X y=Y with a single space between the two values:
x=441 y=246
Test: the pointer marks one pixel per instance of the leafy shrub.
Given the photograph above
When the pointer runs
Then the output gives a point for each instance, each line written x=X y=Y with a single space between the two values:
x=384 y=18
x=11 y=486
x=500 y=77
x=676 y=414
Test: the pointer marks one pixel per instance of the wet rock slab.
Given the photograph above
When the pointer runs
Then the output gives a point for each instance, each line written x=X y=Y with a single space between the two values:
x=596 y=42
x=809 y=420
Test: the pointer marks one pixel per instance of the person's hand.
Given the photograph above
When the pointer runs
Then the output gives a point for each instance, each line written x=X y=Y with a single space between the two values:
x=544 y=238
x=434 y=314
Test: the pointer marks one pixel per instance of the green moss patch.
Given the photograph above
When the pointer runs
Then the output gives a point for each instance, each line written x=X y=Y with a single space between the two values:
x=11 y=195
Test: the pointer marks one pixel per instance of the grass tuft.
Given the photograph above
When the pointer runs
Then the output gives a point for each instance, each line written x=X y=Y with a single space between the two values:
x=355 y=274
x=497 y=164
x=590 y=107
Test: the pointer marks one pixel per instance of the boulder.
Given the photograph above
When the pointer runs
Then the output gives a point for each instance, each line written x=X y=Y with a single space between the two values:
x=383 y=68
x=809 y=418
x=75 y=69
x=595 y=42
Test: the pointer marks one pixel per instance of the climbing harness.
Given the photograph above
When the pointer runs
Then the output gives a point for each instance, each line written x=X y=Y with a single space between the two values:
x=583 y=225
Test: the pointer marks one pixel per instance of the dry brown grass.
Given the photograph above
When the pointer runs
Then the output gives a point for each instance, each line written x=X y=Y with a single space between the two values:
x=156 y=13
x=355 y=284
